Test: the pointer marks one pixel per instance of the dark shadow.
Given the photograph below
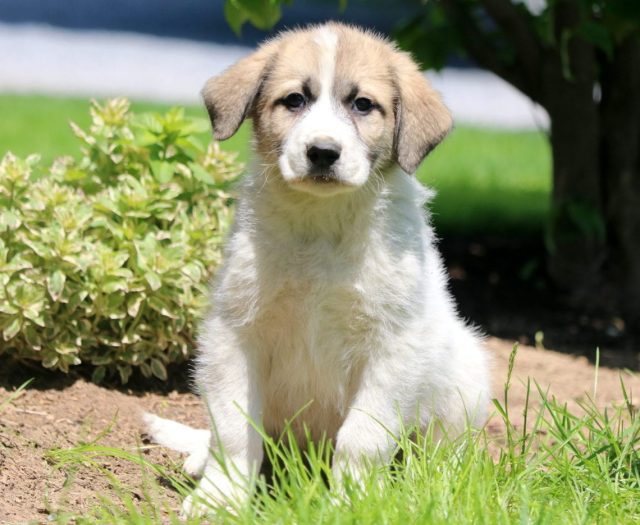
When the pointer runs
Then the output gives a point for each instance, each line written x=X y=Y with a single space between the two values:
x=500 y=284
x=15 y=373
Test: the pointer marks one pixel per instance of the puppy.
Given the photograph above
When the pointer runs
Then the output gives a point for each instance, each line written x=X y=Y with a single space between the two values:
x=331 y=310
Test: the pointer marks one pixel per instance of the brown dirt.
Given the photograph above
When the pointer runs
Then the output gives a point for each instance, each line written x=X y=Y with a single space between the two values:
x=55 y=414
x=65 y=416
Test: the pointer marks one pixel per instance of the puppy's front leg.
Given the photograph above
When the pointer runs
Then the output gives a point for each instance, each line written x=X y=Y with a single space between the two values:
x=227 y=377
x=380 y=406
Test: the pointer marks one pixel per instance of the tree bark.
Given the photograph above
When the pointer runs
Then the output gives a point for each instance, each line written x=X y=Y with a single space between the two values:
x=620 y=169
x=577 y=248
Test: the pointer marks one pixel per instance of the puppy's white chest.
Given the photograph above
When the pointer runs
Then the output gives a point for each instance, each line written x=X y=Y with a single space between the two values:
x=309 y=343
x=314 y=300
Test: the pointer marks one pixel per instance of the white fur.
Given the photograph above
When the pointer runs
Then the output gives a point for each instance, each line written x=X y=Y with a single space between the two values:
x=338 y=304
x=182 y=438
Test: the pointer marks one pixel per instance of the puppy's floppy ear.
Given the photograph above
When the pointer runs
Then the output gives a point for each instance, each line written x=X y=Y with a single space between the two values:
x=229 y=97
x=422 y=120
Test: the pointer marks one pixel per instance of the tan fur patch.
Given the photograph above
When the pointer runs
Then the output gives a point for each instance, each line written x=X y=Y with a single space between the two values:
x=422 y=119
x=230 y=96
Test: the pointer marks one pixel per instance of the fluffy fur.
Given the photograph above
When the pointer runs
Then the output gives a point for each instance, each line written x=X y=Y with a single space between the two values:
x=332 y=294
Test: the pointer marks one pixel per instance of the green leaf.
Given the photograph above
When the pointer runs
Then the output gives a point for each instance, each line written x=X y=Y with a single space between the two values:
x=162 y=307
x=431 y=37
x=66 y=349
x=113 y=284
x=201 y=174
x=235 y=16
x=154 y=280
x=9 y=220
x=12 y=329
x=98 y=374
x=6 y=308
x=263 y=14
x=150 y=122
x=39 y=248
x=38 y=319
x=34 y=313
x=125 y=373
x=133 y=304
x=32 y=336
x=50 y=361
x=158 y=369
x=193 y=271
x=162 y=170
x=146 y=370
x=55 y=284
x=196 y=125
x=114 y=306
x=102 y=359
x=599 y=35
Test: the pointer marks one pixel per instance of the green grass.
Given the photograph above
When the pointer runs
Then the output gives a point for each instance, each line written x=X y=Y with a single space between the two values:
x=561 y=468
x=488 y=181
x=37 y=124
x=4 y=403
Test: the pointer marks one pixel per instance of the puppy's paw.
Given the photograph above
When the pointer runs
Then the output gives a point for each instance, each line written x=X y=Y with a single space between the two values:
x=168 y=433
x=350 y=479
x=194 y=506
x=346 y=470
x=179 y=437
x=153 y=426
x=195 y=462
x=215 y=491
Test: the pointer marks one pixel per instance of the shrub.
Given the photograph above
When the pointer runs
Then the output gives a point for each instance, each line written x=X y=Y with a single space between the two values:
x=104 y=260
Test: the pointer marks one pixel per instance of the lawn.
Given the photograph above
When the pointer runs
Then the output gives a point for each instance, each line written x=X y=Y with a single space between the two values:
x=488 y=181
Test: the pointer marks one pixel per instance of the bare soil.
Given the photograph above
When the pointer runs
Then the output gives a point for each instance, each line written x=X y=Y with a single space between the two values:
x=56 y=413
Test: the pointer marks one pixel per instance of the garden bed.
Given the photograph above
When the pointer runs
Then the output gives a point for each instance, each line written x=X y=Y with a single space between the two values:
x=62 y=412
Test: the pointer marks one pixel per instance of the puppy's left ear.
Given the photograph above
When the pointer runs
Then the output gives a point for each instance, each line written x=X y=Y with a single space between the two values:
x=230 y=96
x=422 y=119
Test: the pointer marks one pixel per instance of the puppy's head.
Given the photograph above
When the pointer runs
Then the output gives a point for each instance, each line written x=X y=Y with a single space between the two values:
x=330 y=105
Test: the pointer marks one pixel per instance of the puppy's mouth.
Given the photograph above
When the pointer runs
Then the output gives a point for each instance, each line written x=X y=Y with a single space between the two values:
x=322 y=182
x=323 y=176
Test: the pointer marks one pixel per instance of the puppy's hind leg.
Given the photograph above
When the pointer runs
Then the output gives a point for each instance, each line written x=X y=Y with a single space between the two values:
x=182 y=438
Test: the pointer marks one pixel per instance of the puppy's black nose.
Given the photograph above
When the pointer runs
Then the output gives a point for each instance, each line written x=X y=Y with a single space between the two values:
x=323 y=154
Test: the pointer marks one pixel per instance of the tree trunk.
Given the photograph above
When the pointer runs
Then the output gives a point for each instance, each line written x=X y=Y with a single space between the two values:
x=577 y=232
x=594 y=230
x=620 y=162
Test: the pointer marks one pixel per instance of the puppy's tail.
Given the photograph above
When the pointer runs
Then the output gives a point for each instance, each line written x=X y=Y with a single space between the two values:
x=181 y=438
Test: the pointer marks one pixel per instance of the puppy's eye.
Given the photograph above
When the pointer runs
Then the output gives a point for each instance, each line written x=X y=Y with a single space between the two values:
x=362 y=105
x=294 y=101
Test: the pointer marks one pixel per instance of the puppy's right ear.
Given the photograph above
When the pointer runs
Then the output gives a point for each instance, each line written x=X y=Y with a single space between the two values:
x=229 y=97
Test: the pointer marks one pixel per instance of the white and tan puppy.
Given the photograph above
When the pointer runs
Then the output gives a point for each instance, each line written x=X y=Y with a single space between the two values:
x=332 y=294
